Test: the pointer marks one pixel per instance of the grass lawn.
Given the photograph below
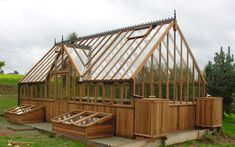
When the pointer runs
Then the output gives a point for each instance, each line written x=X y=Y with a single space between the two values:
x=226 y=138
x=7 y=102
x=9 y=79
x=37 y=138
x=229 y=125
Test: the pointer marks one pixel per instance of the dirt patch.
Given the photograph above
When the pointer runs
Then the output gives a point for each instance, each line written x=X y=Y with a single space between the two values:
x=8 y=89
x=210 y=139
x=4 y=133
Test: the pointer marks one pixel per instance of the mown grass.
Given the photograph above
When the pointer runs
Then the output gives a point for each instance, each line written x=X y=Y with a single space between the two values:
x=8 y=84
x=10 y=79
x=229 y=125
x=7 y=102
x=222 y=139
x=37 y=138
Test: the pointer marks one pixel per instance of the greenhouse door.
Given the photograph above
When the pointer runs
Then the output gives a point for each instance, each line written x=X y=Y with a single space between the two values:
x=61 y=96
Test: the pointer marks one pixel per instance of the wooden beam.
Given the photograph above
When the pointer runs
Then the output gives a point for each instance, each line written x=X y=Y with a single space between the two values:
x=167 y=67
x=151 y=76
x=153 y=48
x=190 y=52
x=174 y=96
x=101 y=55
x=181 y=82
x=49 y=52
x=160 y=72
x=111 y=50
x=112 y=58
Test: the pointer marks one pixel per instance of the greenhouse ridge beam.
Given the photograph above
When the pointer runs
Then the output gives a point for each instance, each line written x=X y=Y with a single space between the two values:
x=137 y=26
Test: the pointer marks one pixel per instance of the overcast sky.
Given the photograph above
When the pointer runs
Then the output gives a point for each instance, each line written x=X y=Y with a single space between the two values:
x=28 y=27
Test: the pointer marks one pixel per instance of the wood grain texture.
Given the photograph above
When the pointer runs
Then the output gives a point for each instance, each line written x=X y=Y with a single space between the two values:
x=209 y=112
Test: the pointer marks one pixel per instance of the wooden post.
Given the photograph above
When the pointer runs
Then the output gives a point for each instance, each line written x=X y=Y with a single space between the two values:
x=181 y=56
x=199 y=85
x=167 y=66
x=160 y=71
x=193 y=84
x=46 y=89
x=151 y=77
x=187 y=77
x=174 y=28
x=142 y=74
x=122 y=93
x=74 y=84
x=40 y=94
x=68 y=80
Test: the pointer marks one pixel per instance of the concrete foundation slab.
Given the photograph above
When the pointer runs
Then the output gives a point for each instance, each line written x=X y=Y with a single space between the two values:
x=115 y=141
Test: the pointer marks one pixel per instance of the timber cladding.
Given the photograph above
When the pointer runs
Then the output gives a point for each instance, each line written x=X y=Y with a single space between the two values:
x=157 y=117
x=209 y=112
x=123 y=115
x=151 y=117
x=181 y=117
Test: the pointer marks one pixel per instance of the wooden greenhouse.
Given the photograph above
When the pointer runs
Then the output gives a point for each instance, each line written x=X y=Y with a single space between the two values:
x=144 y=75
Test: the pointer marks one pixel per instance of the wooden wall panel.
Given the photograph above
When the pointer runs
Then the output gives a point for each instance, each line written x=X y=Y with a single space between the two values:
x=181 y=117
x=60 y=107
x=173 y=117
x=125 y=122
x=209 y=111
x=151 y=117
x=142 y=118
x=124 y=116
x=49 y=109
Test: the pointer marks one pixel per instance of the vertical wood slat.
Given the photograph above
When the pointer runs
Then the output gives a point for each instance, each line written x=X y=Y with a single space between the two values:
x=193 y=84
x=167 y=67
x=209 y=112
x=199 y=86
x=142 y=75
x=160 y=72
x=174 y=89
x=151 y=77
x=181 y=56
x=187 y=76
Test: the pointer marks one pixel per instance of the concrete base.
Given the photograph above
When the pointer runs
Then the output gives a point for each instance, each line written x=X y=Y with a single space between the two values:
x=46 y=127
x=173 y=138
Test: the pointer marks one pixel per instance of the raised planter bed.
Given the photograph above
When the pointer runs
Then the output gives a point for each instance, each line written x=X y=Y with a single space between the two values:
x=84 y=124
x=25 y=114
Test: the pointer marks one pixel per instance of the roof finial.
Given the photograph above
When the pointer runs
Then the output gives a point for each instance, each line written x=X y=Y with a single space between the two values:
x=62 y=40
x=174 y=14
x=55 y=41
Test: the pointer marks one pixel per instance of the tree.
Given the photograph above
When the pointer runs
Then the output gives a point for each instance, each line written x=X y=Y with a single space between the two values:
x=2 y=63
x=72 y=36
x=220 y=78
x=15 y=72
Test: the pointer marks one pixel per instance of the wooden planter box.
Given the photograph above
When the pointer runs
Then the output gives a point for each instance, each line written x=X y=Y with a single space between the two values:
x=209 y=112
x=151 y=117
x=84 y=124
x=25 y=114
